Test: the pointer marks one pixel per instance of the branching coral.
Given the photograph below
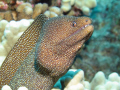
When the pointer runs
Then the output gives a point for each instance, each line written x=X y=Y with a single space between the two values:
x=39 y=8
x=12 y=32
x=8 y=15
x=6 y=87
x=28 y=11
x=83 y=5
x=24 y=11
x=74 y=80
x=3 y=24
x=53 y=12
x=99 y=82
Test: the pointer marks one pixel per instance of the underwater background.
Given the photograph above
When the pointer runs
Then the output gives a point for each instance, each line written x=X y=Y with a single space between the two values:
x=100 y=53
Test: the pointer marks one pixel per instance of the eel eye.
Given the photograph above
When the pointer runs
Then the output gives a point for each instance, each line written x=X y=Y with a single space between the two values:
x=74 y=24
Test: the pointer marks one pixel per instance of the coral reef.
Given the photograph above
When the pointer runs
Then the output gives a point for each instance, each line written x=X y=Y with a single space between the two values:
x=66 y=6
x=12 y=32
x=25 y=11
x=21 y=10
x=83 y=5
x=3 y=5
x=55 y=9
x=102 y=51
x=99 y=82
x=39 y=8
x=6 y=87
x=74 y=80
x=76 y=83
x=3 y=24
x=53 y=12
x=8 y=15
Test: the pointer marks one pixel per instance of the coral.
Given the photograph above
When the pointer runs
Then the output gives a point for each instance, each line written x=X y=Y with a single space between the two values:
x=6 y=87
x=3 y=5
x=24 y=11
x=99 y=82
x=102 y=51
x=98 y=79
x=2 y=50
x=112 y=83
x=50 y=14
x=39 y=8
x=84 y=5
x=22 y=6
x=12 y=32
x=3 y=24
x=55 y=89
x=55 y=9
x=77 y=82
x=27 y=11
x=8 y=15
x=74 y=80
x=66 y=6
x=2 y=58
x=44 y=7
x=78 y=86
x=114 y=77
x=22 y=88
x=53 y=12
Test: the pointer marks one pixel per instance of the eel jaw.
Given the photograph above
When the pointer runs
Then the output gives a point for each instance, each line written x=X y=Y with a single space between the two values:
x=82 y=34
x=90 y=31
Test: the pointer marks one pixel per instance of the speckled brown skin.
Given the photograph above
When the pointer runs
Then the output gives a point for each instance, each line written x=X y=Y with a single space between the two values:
x=38 y=65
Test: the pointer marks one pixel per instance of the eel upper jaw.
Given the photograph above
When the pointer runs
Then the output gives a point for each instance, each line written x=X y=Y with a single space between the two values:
x=76 y=39
x=82 y=34
x=90 y=31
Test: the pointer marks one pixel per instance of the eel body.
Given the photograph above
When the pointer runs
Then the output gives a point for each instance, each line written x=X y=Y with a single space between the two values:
x=44 y=52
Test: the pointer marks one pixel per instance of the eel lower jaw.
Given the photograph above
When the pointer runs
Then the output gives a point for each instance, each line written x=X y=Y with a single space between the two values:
x=89 y=29
x=75 y=40
x=82 y=34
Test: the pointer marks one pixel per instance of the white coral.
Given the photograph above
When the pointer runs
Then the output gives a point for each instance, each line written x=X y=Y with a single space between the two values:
x=99 y=82
x=6 y=87
x=53 y=12
x=12 y=32
x=84 y=5
x=3 y=24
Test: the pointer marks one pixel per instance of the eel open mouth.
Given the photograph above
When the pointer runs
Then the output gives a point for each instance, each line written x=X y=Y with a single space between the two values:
x=83 y=31
x=81 y=34
x=80 y=29
x=89 y=29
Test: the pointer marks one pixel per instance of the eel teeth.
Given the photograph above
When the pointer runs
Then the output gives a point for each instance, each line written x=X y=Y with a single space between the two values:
x=84 y=26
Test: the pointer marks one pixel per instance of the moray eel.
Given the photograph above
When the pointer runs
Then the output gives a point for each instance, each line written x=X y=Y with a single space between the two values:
x=45 y=52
